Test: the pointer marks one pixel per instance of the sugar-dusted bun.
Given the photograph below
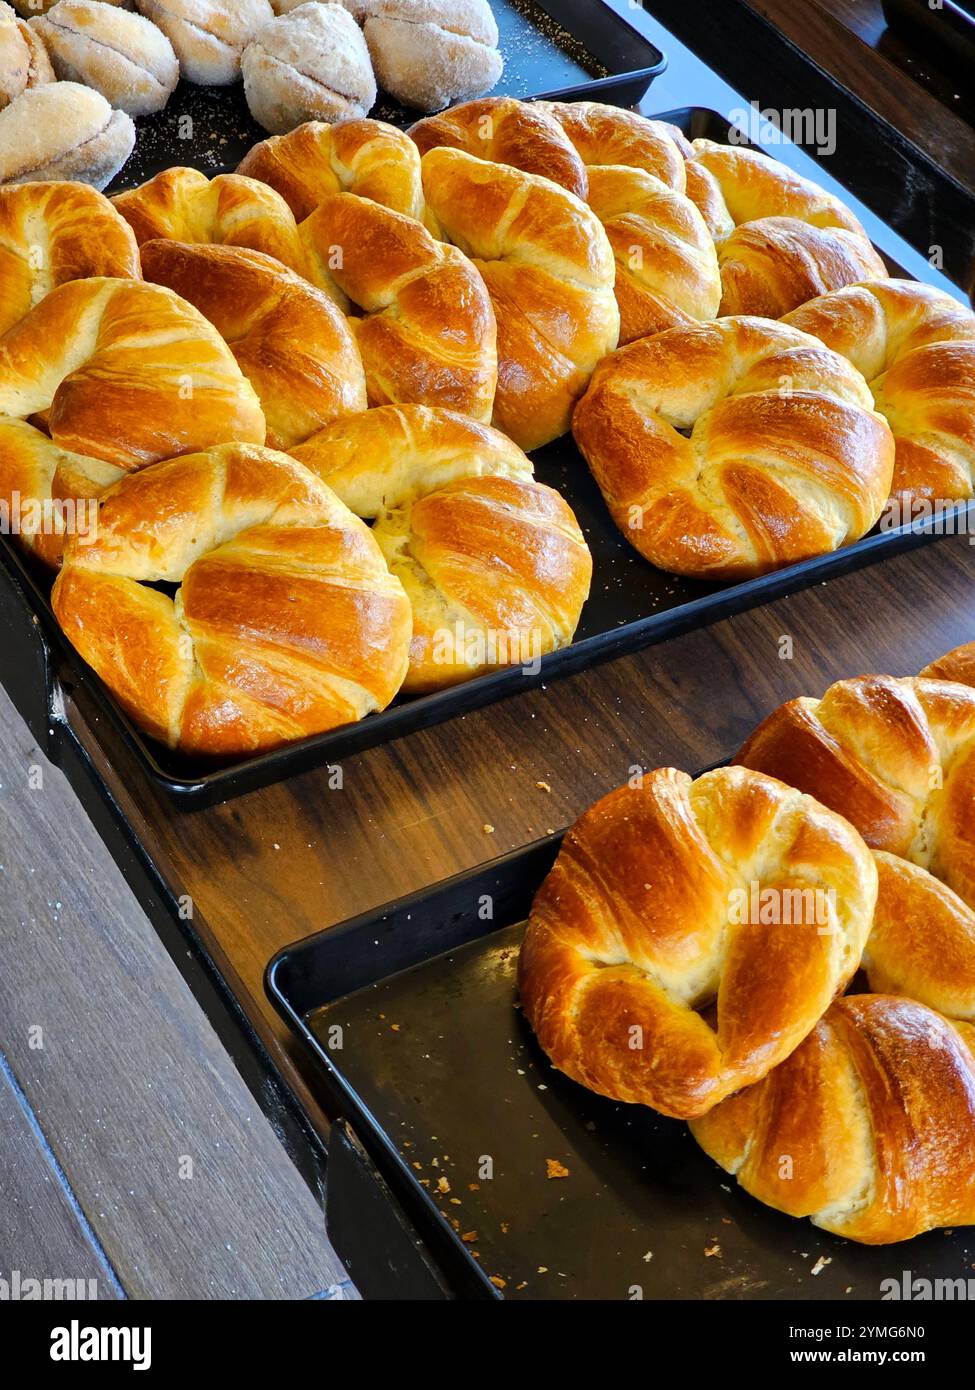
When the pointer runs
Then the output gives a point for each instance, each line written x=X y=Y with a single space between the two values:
x=30 y=9
x=23 y=58
x=63 y=131
x=311 y=64
x=122 y=55
x=209 y=36
x=429 y=53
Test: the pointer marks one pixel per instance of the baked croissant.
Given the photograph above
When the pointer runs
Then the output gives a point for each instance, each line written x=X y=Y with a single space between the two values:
x=230 y=210
x=493 y=562
x=956 y=665
x=290 y=341
x=916 y=348
x=126 y=372
x=369 y=158
x=726 y=449
x=646 y=972
x=550 y=271
x=51 y=233
x=868 y=1128
x=425 y=326
x=896 y=757
x=922 y=942
x=286 y=623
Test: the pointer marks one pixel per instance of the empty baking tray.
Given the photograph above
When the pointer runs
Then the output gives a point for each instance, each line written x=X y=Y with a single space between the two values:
x=554 y=48
x=430 y=1071
x=632 y=605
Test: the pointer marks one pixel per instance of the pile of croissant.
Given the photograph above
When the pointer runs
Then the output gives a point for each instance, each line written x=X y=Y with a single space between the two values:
x=402 y=318
x=691 y=948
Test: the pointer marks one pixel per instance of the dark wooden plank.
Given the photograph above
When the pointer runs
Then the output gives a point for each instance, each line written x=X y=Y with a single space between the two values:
x=180 y=1176
x=297 y=857
x=43 y=1234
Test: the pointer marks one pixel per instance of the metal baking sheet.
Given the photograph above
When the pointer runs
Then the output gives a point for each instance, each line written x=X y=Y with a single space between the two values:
x=410 y=1013
x=632 y=605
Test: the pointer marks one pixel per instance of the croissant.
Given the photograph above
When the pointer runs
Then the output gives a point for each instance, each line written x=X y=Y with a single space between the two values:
x=726 y=449
x=631 y=172
x=647 y=973
x=51 y=233
x=425 y=328
x=868 y=1128
x=770 y=266
x=922 y=942
x=230 y=210
x=550 y=271
x=916 y=348
x=127 y=372
x=956 y=665
x=286 y=623
x=494 y=563
x=47 y=490
x=289 y=339
x=369 y=158
x=896 y=757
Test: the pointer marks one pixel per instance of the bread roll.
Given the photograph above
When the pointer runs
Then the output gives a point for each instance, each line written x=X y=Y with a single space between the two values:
x=286 y=623
x=122 y=55
x=550 y=271
x=493 y=562
x=429 y=53
x=868 y=1128
x=184 y=205
x=125 y=372
x=311 y=64
x=50 y=489
x=63 y=131
x=209 y=36
x=916 y=347
x=724 y=450
x=895 y=757
x=369 y=158
x=691 y=934
x=23 y=58
x=773 y=265
x=289 y=339
x=425 y=328
x=51 y=233
x=30 y=9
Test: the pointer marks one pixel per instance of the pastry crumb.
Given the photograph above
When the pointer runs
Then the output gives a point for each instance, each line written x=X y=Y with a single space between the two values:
x=555 y=1169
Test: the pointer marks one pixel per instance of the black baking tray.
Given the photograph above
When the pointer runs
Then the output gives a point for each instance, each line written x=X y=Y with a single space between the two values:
x=632 y=605
x=559 y=49
x=944 y=33
x=429 y=1070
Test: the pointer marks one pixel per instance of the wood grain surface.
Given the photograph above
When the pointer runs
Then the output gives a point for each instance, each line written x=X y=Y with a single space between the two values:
x=181 y=1179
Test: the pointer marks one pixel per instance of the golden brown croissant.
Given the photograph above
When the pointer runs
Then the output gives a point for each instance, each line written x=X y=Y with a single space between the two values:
x=287 y=621
x=230 y=210
x=922 y=942
x=896 y=757
x=771 y=265
x=630 y=171
x=868 y=1128
x=658 y=909
x=916 y=348
x=290 y=341
x=550 y=271
x=48 y=492
x=956 y=665
x=494 y=563
x=51 y=233
x=426 y=329
x=127 y=372
x=726 y=449
x=369 y=158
